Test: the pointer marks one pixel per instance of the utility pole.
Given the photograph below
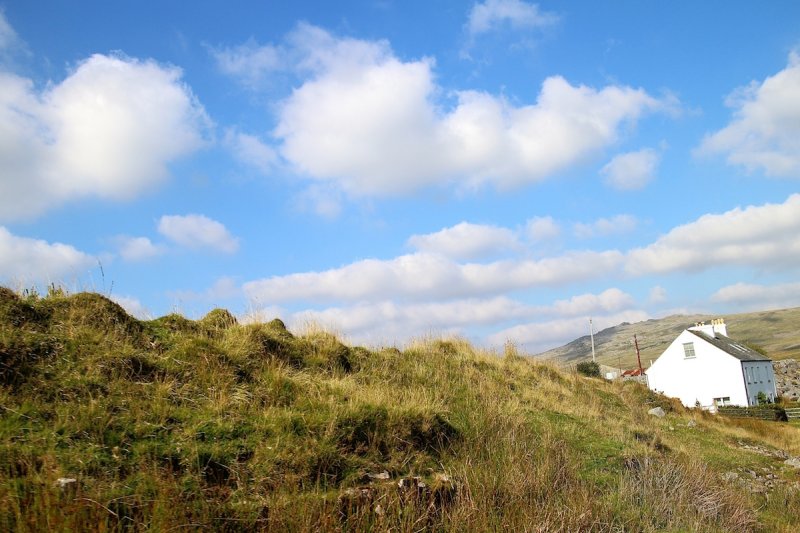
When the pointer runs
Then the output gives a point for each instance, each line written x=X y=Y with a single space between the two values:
x=591 y=334
x=638 y=357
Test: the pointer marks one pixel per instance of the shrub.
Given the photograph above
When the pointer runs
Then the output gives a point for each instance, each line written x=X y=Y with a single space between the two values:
x=589 y=368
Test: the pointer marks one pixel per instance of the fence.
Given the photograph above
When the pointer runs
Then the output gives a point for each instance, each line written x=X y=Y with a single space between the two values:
x=793 y=413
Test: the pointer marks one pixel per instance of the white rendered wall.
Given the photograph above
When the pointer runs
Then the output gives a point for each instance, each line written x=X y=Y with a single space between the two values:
x=710 y=374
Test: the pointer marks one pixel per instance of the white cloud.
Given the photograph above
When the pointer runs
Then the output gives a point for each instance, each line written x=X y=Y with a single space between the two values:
x=492 y=14
x=588 y=304
x=323 y=200
x=540 y=336
x=746 y=296
x=387 y=321
x=250 y=150
x=658 y=294
x=137 y=248
x=263 y=314
x=250 y=62
x=615 y=225
x=466 y=241
x=542 y=229
x=430 y=276
x=197 y=232
x=764 y=132
x=8 y=37
x=224 y=288
x=24 y=260
x=133 y=306
x=632 y=170
x=108 y=130
x=369 y=123
x=763 y=236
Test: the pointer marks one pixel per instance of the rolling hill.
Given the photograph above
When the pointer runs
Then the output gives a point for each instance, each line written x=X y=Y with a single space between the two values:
x=776 y=331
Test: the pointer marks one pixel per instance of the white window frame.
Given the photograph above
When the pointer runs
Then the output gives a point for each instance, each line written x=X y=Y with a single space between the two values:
x=688 y=347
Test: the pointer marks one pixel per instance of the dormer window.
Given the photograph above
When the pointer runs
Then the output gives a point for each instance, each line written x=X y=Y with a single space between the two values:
x=688 y=350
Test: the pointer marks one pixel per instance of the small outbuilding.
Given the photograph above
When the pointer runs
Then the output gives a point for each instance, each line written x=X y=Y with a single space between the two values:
x=704 y=367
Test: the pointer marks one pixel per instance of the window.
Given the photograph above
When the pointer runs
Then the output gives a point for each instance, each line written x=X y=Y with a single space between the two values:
x=725 y=400
x=758 y=374
x=688 y=350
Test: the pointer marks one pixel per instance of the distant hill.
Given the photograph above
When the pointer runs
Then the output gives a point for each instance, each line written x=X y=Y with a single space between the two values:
x=778 y=332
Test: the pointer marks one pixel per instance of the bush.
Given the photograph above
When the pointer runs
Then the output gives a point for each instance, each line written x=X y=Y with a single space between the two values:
x=589 y=368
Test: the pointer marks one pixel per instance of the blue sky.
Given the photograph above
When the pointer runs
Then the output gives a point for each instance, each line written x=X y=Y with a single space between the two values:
x=501 y=170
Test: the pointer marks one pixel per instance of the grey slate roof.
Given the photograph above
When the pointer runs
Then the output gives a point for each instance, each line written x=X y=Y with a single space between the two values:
x=731 y=347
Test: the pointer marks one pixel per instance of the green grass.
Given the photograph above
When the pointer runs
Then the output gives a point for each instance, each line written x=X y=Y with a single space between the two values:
x=174 y=424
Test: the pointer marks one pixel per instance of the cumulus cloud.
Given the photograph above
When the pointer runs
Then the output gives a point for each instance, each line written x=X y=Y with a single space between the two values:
x=762 y=236
x=748 y=296
x=588 y=304
x=606 y=226
x=540 y=336
x=108 y=130
x=24 y=260
x=8 y=37
x=397 y=322
x=198 y=232
x=249 y=62
x=430 y=276
x=632 y=170
x=250 y=150
x=764 y=132
x=658 y=294
x=542 y=229
x=493 y=14
x=466 y=241
x=133 y=306
x=224 y=288
x=323 y=200
x=137 y=248
x=371 y=123
x=388 y=321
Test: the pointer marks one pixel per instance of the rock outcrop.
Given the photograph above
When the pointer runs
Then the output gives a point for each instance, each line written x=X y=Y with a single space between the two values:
x=787 y=378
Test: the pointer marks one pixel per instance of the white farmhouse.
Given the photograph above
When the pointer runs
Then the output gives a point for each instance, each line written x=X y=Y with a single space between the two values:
x=705 y=367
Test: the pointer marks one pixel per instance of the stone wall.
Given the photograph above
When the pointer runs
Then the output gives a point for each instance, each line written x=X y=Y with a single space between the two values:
x=787 y=378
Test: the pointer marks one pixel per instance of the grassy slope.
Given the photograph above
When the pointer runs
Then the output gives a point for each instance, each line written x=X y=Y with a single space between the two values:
x=181 y=425
x=775 y=331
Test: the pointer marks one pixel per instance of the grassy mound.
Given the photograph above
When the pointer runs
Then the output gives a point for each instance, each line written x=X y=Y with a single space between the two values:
x=110 y=423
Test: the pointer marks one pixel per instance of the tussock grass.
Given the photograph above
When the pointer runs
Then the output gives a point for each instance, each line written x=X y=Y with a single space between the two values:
x=174 y=424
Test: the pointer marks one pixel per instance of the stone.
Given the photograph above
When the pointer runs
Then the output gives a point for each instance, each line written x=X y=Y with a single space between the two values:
x=691 y=423
x=730 y=476
x=657 y=411
x=794 y=462
x=379 y=475
x=64 y=482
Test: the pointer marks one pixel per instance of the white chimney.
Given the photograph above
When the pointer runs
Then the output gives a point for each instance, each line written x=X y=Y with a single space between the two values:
x=714 y=329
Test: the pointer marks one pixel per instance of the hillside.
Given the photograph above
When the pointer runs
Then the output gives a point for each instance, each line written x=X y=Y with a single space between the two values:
x=775 y=331
x=111 y=423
